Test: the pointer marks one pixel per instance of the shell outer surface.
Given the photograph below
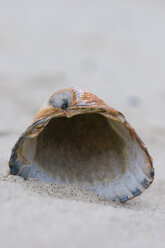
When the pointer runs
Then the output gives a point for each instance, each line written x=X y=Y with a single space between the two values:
x=71 y=102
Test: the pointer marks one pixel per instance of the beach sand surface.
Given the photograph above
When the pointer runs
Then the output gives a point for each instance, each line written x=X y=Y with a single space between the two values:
x=115 y=49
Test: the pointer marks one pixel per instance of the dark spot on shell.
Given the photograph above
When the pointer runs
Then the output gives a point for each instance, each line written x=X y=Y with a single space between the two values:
x=136 y=192
x=15 y=168
x=138 y=140
x=145 y=183
x=64 y=104
x=20 y=169
x=62 y=100
x=123 y=199
x=152 y=172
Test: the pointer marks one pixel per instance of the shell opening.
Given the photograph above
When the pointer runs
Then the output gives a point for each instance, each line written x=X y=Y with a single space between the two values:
x=89 y=150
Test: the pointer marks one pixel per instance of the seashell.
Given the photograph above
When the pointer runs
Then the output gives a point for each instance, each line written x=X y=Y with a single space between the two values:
x=76 y=138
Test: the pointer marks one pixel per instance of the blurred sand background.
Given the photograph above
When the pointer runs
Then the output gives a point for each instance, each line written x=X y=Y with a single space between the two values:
x=116 y=49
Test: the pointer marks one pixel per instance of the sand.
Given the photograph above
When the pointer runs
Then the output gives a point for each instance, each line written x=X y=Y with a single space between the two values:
x=116 y=49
